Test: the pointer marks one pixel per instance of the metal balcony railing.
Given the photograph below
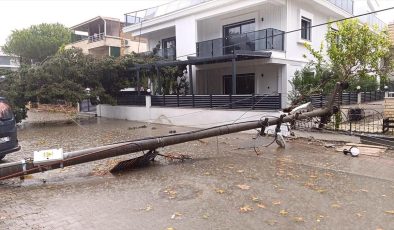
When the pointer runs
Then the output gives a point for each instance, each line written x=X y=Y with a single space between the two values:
x=96 y=37
x=346 y=5
x=267 y=39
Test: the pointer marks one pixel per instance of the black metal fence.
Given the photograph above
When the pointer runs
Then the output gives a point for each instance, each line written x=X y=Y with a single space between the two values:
x=254 y=102
x=348 y=98
x=350 y=121
x=131 y=100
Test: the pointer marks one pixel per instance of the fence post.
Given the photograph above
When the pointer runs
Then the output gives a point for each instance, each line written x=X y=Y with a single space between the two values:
x=253 y=101
x=193 y=100
x=231 y=102
x=164 y=99
x=359 y=98
x=148 y=101
x=210 y=100
x=321 y=101
x=280 y=100
x=177 y=99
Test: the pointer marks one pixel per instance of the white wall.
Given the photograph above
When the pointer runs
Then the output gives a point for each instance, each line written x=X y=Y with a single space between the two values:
x=274 y=17
x=295 y=48
x=210 y=81
x=200 y=118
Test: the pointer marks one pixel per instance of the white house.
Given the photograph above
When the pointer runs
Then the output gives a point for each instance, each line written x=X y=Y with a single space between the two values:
x=8 y=62
x=241 y=47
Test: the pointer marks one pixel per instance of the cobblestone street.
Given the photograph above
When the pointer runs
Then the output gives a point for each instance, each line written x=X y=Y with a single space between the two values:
x=225 y=186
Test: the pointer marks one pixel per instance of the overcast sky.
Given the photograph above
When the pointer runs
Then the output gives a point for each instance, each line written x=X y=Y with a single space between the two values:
x=18 y=14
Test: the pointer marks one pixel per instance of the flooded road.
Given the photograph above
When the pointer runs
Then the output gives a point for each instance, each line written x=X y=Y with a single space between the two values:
x=225 y=186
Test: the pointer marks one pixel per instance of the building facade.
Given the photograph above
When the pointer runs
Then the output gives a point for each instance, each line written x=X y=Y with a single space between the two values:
x=266 y=39
x=103 y=36
x=8 y=62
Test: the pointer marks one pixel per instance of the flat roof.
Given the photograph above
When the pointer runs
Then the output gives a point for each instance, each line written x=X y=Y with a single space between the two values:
x=83 y=26
x=238 y=55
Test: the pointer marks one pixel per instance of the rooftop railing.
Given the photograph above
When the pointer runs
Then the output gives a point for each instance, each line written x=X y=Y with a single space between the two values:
x=346 y=5
x=146 y=14
x=266 y=39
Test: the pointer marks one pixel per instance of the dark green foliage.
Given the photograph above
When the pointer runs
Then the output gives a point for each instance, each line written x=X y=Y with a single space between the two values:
x=37 y=42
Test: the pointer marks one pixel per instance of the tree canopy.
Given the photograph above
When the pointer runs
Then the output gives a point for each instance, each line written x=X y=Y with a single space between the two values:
x=37 y=42
x=354 y=53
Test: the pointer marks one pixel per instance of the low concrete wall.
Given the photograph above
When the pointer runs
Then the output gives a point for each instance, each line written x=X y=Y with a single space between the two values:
x=191 y=117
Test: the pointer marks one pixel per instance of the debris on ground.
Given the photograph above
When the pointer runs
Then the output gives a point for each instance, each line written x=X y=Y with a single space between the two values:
x=328 y=145
x=138 y=127
x=368 y=150
x=172 y=131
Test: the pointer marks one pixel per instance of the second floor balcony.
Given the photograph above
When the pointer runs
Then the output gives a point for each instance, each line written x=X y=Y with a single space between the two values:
x=261 y=40
x=168 y=54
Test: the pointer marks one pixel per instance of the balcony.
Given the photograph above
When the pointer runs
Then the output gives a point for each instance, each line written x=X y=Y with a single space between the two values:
x=267 y=39
x=346 y=5
x=167 y=54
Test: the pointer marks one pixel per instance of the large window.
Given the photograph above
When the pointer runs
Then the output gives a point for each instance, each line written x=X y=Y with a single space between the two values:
x=236 y=37
x=306 y=24
x=245 y=84
x=169 y=48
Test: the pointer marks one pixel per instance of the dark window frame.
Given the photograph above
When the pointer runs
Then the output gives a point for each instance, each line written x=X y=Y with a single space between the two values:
x=306 y=29
x=226 y=36
x=165 y=48
x=243 y=75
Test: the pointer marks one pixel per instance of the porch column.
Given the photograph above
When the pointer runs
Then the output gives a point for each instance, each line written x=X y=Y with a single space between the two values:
x=234 y=78
x=191 y=79
x=138 y=81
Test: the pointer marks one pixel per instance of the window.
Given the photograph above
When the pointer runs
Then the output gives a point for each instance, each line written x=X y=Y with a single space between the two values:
x=169 y=48
x=5 y=111
x=335 y=31
x=306 y=28
x=245 y=84
x=236 y=36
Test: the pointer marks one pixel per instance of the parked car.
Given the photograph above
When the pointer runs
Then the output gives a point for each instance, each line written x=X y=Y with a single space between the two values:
x=8 y=133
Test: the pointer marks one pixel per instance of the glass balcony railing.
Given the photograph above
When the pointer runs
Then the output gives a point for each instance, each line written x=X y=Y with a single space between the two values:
x=346 y=5
x=146 y=14
x=168 y=54
x=267 y=39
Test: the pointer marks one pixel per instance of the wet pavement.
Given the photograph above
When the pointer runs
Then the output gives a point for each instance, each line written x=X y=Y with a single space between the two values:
x=225 y=186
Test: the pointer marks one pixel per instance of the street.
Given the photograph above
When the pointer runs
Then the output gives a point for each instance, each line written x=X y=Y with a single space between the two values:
x=225 y=186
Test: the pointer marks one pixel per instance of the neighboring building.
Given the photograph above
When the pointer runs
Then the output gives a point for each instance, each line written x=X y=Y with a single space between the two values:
x=8 y=62
x=239 y=47
x=101 y=36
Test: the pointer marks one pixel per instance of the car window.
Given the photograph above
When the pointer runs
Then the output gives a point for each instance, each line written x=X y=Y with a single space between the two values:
x=5 y=111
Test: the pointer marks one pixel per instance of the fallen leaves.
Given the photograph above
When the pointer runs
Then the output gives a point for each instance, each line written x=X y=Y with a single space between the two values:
x=283 y=212
x=220 y=191
x=171 y=193
x=335 y=206
x=260 y=205
x=390 y=212
x=298 y=219
x=277 y=202
x=245 y=209
x=176 y=215
x=243 y=186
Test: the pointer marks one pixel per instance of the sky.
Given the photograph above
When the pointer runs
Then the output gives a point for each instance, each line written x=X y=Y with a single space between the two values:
x=18 y=14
